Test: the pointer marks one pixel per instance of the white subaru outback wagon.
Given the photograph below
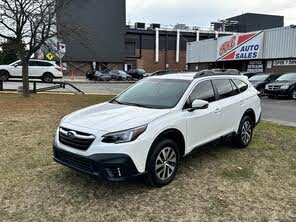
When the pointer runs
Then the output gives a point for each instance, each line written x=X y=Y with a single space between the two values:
x=150 y=126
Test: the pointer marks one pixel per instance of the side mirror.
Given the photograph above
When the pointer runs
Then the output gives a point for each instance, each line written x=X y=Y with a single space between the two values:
x=199 y=104
x=15 y=65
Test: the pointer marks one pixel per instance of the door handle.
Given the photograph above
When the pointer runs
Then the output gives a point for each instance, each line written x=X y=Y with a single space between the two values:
x=242 y=103
x=218 y=110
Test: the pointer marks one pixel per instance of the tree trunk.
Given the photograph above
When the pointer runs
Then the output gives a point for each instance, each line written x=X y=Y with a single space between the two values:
x=25 y=75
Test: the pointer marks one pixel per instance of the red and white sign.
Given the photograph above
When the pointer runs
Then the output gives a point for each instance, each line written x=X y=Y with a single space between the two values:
x=240 y=47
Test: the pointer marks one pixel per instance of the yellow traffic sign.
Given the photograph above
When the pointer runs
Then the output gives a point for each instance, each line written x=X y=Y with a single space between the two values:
x=50 y=56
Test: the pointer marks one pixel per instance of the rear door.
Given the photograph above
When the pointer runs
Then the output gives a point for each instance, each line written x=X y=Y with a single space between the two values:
x=230 y=101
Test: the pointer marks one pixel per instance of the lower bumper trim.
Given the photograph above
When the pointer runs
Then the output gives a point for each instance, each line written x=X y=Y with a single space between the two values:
x=112 y=167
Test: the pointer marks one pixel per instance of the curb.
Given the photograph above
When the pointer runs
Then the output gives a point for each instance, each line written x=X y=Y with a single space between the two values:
x=61 y=93
x=282 y=123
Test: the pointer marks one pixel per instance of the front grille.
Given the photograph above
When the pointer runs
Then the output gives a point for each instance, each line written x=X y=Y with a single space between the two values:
x=273 y=87
x=74 y=161
x=75 y=139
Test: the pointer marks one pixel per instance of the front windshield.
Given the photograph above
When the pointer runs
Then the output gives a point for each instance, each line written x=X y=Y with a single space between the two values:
x=287 y=77
x=259 y=78
x=154 y=93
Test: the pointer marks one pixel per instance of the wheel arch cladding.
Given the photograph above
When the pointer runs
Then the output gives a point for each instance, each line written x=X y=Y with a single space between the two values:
x=251 y=114
x=172 y=134
x=4 y=70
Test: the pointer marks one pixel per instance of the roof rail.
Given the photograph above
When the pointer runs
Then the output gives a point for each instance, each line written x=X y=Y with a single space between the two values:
x=216 y=72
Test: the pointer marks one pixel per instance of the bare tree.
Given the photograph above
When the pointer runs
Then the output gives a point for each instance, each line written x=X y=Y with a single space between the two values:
x=29 y=24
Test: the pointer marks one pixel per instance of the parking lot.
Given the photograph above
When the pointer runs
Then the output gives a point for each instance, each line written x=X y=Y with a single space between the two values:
x=282 y=111
x=217 y=183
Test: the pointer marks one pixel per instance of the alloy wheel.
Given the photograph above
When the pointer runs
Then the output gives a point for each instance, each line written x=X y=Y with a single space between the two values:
x=165 y=164
x=294 y=94
x=246 y=132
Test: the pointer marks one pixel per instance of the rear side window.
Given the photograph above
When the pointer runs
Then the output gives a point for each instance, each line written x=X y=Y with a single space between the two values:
x=240 y=85
x=224 y=88
x=203 y=91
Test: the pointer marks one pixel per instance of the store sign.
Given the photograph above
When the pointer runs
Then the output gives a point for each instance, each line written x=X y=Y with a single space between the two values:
x=255 y=66
x=287 y=62
x=240 y=47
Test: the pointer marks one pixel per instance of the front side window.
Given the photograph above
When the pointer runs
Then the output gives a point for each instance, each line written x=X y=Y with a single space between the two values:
x=154 y=93
x=224 y=88
x=203 y=91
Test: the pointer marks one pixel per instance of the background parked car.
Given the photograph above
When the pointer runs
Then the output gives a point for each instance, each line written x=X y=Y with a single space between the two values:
x=260 y=80
x=102 y=76
x=284 y=86
x=38 y=69
x=249 y=74
x=119 y=75
x=136 y=73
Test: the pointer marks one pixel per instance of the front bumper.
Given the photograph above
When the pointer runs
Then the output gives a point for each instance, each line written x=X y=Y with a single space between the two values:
x=280 y=92
x=112 y=167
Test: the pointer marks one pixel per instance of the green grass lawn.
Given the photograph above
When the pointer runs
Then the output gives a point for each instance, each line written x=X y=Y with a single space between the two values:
x=216 y=183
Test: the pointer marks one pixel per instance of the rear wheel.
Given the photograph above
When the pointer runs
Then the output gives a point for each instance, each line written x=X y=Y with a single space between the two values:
x=4 y=76
x=293 y=94
x=47 y=77
x=162 y=164
x=245 y=133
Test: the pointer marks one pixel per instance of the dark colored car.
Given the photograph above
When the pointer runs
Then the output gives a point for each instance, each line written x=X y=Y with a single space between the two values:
x=102 y=76
x=260 y=80
x=136 y=73
x=284 y=86
x=249 y=74
x=119 y=75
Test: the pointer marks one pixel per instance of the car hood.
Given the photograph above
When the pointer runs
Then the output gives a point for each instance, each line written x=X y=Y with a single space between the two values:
x=256 y=82
x=280 y=83
x=113 y=117
x=5 y=66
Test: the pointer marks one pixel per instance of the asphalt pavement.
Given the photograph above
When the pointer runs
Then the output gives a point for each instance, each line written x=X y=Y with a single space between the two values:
x=281 y=111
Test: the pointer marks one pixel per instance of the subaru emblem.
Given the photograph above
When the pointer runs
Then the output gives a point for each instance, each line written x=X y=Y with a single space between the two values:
x=71 y=135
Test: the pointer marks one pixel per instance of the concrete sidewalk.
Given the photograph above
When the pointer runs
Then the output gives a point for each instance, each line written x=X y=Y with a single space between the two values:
x=82 y=79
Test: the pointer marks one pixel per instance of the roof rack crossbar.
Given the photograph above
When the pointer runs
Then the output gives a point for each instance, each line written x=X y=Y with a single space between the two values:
x=216 y=72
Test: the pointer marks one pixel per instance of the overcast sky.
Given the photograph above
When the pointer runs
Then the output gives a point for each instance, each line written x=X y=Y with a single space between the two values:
x=202 y=12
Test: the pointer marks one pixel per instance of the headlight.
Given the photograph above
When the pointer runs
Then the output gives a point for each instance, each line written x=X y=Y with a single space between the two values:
x=124 y=136
x=285 y=87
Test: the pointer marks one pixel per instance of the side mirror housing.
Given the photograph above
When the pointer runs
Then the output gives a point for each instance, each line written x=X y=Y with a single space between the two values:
x=199 y=104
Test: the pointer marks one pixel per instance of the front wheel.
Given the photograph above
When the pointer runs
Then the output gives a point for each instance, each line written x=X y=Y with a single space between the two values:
x=4 y=76
x=162 y=164
x=245 y=133
x=47 y=78
x=293 y=94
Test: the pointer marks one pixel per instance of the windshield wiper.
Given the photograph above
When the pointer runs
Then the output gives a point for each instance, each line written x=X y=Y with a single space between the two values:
x=132 y=104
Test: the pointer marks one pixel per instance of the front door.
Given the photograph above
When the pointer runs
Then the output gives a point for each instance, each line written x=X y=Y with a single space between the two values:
x=202 y=125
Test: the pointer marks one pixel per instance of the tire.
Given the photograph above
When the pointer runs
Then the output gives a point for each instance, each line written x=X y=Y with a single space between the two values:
x=162 y=170
x=47 y=77
x=245 y=132
x=293 y=94
x=4 y=76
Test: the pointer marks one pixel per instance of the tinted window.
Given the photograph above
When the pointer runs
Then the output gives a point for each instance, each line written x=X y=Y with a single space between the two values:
x=224 y=88
x=203 y=91
x=240 y=85
x=154 y=93
x=235 y=89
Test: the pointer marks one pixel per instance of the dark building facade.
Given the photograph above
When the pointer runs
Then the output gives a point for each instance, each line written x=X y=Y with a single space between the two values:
x=249 y=22
x=93 y=31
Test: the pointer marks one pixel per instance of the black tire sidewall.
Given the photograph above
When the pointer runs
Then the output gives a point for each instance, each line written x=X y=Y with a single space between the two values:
x=239 y=141
x=47 y=74
x=292 y=92
x=156 y=149
x=6 y=74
